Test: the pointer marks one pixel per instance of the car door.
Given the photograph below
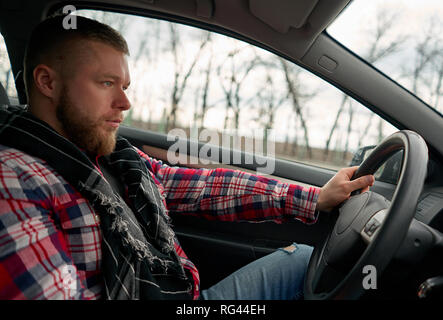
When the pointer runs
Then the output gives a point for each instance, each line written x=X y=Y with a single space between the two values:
x=194 y=90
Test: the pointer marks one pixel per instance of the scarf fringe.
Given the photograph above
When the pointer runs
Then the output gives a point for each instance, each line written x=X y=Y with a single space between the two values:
x=120 y=226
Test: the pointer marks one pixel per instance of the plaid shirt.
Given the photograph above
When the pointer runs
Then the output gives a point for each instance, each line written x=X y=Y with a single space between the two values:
x=50 y=238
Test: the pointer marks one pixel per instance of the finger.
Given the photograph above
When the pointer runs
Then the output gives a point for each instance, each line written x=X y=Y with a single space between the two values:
x=370 y=185
x=362 y=182
x=350 y=171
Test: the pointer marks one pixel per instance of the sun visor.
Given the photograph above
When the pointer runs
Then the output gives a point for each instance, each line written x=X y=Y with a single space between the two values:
x=282 y=14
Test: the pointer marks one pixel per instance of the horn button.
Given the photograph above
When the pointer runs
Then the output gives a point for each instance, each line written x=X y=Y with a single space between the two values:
x=350 y=211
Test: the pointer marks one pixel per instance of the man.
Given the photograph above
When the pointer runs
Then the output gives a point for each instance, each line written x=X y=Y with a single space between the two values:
x=84 y=215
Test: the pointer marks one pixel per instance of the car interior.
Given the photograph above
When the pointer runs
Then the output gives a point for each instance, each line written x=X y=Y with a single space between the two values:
x=408 y=248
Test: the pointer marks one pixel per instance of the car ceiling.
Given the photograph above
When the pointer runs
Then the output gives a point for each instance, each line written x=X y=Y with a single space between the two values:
x=287 y=26
x=291 y=28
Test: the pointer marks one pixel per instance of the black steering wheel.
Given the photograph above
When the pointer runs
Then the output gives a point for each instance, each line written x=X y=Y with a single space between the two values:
x=369 y=229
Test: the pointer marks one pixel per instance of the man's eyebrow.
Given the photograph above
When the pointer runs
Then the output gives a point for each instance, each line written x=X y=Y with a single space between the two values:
x=108 y=75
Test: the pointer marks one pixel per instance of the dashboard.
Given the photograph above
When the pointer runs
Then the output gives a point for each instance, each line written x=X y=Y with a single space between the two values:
x=430 y=204
x=430 y=208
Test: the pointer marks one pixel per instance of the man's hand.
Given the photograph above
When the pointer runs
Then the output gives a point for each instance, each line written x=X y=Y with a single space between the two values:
x=339 y=188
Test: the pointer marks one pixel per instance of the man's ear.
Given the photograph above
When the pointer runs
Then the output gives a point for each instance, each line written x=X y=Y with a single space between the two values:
x=46 y=81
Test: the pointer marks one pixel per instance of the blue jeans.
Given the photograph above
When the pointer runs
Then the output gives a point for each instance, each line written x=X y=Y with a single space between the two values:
x=277 y=276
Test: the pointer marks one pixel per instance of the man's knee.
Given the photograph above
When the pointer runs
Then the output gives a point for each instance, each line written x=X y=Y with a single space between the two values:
x=290 y=249
x=299 y=249
x=297 y=256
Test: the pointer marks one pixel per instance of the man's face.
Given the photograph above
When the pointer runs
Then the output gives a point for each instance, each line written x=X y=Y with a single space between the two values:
x=92 y=98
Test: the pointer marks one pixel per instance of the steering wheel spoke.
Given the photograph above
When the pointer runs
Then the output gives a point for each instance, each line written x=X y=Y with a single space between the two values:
x=369 y=232
x=326 y=277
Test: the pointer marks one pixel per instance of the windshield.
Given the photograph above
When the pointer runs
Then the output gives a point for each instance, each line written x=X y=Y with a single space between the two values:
x=402 y=38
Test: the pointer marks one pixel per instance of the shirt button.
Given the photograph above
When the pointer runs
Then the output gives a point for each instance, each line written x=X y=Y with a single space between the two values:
x=97 y=218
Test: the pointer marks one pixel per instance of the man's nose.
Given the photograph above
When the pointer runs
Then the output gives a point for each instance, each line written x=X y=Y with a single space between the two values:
x=122 y=101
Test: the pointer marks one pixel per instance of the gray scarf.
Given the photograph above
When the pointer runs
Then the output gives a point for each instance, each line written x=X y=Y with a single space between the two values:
x=139 y=257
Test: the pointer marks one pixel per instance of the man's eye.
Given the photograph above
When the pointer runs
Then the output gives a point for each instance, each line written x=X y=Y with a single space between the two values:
x=107 y=83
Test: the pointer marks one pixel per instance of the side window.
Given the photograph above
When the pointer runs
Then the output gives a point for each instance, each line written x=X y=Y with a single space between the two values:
x=6 y=77
x=190 y=79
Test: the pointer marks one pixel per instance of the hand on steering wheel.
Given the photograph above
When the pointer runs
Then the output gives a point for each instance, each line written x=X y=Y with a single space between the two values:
x=340 y=188
x=369 y=229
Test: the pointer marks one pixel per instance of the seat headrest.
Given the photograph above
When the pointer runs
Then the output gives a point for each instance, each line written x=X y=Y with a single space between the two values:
x=3 y=96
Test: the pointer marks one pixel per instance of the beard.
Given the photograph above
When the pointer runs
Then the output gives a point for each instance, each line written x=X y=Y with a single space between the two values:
x=82 y=130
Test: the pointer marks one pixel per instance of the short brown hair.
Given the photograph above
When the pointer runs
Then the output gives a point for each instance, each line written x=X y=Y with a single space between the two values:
x=49 y=37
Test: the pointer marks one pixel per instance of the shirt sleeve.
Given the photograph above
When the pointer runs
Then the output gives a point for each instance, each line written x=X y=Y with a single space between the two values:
x=34 y=259
x=233 y=195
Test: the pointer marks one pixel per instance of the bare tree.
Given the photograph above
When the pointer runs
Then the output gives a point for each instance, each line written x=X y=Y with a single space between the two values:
x=427 y=68
x=335 y=124
x=438 y=89
x=181 y=73
x=295 y=95
x=381 y=46
x=366 y=129
x=232 y=74
x=268 y=101
x=200 y=115
x=148 y=47
x=425 y=49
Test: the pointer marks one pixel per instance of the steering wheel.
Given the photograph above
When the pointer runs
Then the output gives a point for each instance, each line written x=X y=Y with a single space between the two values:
x=369 y=228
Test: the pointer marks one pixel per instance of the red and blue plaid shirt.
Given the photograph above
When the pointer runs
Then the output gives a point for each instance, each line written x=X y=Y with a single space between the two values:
x=50 y=238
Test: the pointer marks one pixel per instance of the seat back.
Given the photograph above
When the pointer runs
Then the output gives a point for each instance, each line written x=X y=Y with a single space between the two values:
x=4 y=100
